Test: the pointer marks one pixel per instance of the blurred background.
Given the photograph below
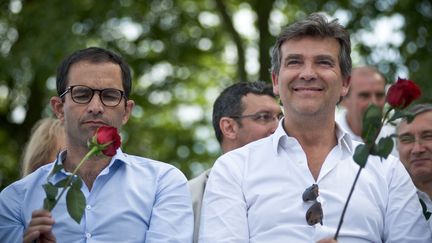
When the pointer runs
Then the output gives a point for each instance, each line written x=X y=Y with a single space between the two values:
x=182 y=54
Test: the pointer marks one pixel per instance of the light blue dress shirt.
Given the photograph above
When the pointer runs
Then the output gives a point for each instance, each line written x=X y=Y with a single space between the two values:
x=254 y=194
x=134 y=199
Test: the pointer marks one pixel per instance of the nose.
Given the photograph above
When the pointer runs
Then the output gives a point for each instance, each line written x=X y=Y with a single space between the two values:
x=373 y=100
x=95 y=105
x=308 y=72
x=418 y=147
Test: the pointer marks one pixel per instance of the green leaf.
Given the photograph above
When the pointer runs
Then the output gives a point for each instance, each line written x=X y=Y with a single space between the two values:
x=401 y=114
x=361 y=155
x=61 y=183
x=384 y=147
x=51 y=193
x=371 y=124
x=50 y=190
x=75 y=201
x=48 y=204
x=409 y=117
x=77 y=183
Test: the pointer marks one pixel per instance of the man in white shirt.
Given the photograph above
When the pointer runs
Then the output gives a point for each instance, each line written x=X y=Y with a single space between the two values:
x=367 y=86
x=415 y=151
x=243 y=112
x=292 y=185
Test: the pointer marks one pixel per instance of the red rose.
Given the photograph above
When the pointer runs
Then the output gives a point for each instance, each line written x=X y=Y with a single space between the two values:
x=402 y=93
x=108 y=135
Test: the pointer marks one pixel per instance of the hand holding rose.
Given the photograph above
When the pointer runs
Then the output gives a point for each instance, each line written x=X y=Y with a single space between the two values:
x=106 y=141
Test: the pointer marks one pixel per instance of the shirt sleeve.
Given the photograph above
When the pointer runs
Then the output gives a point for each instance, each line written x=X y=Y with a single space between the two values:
x=11 y=223
x=404 y=221
x=224 y=209
x=172 y=216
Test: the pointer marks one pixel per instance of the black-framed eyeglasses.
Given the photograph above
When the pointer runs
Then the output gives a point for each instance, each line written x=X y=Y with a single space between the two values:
x=314 y=214
x=82 y=94
x=261 y=117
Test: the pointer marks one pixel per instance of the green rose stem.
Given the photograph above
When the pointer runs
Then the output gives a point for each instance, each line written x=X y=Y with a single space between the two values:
x=369 y=148
x=105 y=141
x=94 y=150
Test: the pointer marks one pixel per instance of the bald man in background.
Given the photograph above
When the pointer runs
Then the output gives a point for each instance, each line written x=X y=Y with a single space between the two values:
x=367 y=87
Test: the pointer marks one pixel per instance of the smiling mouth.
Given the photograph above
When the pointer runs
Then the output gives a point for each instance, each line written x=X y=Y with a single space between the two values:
x=420 y=160
x=307 y=89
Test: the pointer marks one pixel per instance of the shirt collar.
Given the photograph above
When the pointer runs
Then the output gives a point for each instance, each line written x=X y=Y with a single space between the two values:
x=119 y=157
x=343 y=138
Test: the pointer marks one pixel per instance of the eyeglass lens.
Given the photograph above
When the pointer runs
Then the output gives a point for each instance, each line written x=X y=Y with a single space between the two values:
x=83 y=95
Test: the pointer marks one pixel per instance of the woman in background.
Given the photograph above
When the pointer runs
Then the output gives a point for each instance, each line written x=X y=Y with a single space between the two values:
x=46 y=140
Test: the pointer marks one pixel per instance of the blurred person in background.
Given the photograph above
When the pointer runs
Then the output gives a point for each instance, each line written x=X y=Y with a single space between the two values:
x=414 y=143
x=367 y=87
x=243 y=112
x=45 y=142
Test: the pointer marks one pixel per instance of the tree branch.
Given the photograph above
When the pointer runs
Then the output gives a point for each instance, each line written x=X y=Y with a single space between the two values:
x=241 y=71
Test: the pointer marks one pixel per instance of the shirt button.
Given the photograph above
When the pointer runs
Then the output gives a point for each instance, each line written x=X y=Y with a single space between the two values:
x=88 y=235
x=88 y=207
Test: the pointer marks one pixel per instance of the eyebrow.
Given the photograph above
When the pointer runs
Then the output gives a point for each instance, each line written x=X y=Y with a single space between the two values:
x=412 y=134
x=293 y=56
x=325 y=57
x=404 y=134
x=318 y=57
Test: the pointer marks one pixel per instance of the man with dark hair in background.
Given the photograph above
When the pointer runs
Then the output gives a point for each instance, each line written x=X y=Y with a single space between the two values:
x=243 y=112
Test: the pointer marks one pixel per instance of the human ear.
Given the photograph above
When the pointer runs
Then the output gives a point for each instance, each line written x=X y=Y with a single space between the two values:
x=229 y=128
x=275 y=81
x=345 y=86
x=128 y=110
x=57 y=107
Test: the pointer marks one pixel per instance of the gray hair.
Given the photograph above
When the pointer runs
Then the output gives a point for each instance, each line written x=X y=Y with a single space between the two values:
x=315 y=25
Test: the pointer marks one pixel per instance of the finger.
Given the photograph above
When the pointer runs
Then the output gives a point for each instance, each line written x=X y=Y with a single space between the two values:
x=30 y=237
x=41 y=213
x=48 y=237
x=41 y=218
x=40 y=226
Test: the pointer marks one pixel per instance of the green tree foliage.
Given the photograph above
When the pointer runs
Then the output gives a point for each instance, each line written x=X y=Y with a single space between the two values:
x=182 y=53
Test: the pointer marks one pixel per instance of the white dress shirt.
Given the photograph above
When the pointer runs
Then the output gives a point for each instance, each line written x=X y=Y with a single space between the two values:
x=428 y=203
x=254 y=194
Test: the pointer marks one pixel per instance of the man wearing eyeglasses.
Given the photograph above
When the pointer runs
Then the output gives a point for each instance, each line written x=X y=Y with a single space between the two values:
x=292 y=186
x=243 y=112
x=129 y=198
x=414 y=144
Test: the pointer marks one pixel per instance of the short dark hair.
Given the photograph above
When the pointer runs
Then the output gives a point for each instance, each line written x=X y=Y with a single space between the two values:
x=229 y=103
x=93 y=55
x=315 y=25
